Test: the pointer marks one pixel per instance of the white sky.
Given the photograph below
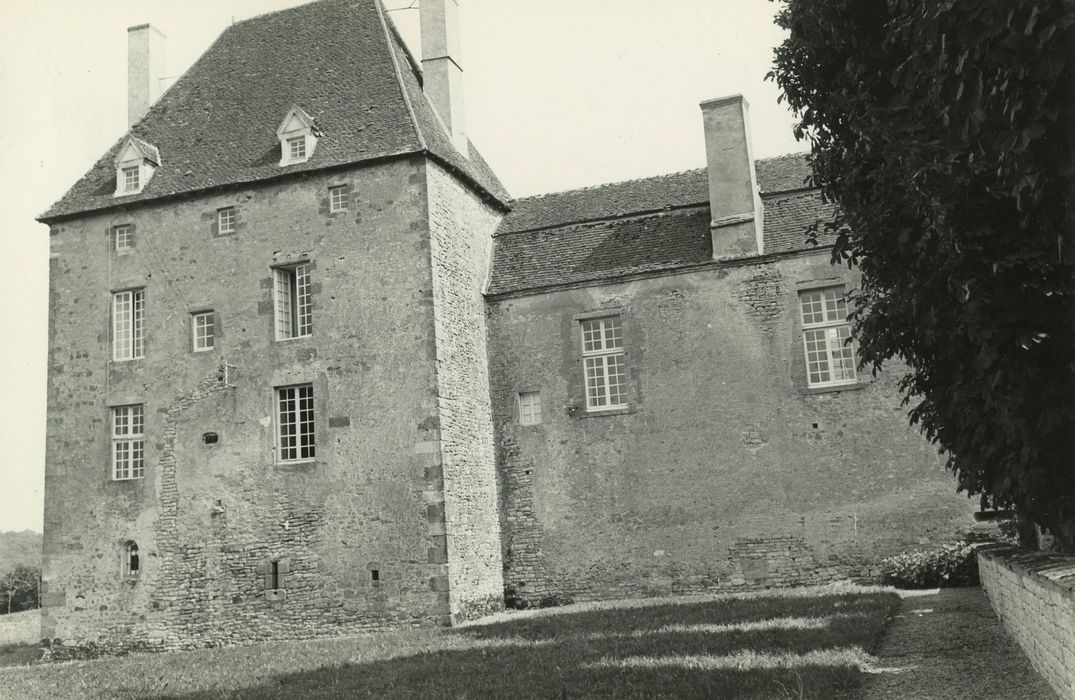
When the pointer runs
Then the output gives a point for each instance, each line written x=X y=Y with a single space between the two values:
x=559 y=94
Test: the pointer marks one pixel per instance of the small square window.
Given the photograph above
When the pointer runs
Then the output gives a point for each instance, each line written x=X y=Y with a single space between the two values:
x=203 y=330
x=337 y=198
x=296 y=148
x=225 y=220
x=131 y=179
x=529 y=408
x=122 y=237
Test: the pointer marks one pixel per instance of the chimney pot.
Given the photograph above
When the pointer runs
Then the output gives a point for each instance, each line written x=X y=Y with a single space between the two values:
x=145 y=69
x=734 y=204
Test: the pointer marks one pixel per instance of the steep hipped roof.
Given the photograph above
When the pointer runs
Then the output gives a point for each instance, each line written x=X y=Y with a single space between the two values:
x=639 y=226
x=341 y=60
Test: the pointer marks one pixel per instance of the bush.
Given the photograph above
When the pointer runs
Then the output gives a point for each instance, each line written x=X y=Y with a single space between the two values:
x=950 y=566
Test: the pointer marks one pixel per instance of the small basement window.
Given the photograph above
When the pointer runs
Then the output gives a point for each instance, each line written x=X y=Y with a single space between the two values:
x=131 y=565
x=210 y=438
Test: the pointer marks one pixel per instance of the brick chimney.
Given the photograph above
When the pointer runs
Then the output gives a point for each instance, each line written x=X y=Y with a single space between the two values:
x=734 y=204
x=442 y=65
x=145 y=69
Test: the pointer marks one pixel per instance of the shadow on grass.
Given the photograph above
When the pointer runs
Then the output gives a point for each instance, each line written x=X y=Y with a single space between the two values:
x=766 y=647
x=19 y=654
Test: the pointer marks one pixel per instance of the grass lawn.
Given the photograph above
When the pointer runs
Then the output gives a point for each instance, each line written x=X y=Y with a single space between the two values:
x=797 y=643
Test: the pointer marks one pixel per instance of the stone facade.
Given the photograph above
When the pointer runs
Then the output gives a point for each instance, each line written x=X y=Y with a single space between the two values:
x=461 y=228
x=1034 y=596
x=724 y=471
x=358 y=534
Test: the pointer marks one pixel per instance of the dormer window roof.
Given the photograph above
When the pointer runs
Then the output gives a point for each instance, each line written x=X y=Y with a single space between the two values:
x=298 y=137
x=135 y=164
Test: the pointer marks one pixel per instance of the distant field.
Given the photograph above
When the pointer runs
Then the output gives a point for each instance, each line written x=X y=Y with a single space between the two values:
x=798 y=643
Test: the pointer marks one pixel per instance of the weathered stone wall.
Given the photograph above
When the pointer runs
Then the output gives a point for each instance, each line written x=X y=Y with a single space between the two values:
x=208 y=519
x=725 y=471
x=1033 y=593
x=461 y=227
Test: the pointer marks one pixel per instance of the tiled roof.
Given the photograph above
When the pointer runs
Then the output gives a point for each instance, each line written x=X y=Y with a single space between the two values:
x=659 y=223
x=598 y=250
x=780 y=174
x=340 y=60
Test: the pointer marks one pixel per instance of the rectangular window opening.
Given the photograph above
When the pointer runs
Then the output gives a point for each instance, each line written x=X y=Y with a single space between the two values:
x=604 y=363
x=128 y=442
x=131 y=178
x=122 y=237
x=203 y=331
x=830 y=356
x=225 y=219
x=337 y=198
x=292 y=301
x=529 y=408
x=296 y=148
x=128 y=324
x=295 y=434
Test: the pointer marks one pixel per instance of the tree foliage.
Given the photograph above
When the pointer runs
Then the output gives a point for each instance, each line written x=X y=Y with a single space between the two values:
x=19 y=589
x=943 y=130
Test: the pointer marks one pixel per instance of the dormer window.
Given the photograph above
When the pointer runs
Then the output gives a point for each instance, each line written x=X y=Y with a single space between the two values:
x=297 y=148
x=135 y=164
x=298 y=137
x=131 y=179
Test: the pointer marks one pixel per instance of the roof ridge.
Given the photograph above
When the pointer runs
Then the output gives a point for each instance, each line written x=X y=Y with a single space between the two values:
x=677 y=209
x=589 y=188
x=274 y=12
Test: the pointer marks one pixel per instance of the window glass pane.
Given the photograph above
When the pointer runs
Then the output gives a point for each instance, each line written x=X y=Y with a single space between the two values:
x=282 y=291
x=304 y=321
x=613 y=333
x=529 y=408
x=295 y=420
x=616 y=370
x=595 y=381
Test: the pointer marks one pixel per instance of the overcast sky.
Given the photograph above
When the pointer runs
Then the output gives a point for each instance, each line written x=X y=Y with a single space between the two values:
x=559 y=94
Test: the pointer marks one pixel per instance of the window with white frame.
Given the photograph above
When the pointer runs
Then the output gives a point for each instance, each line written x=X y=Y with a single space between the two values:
x=296 y=148
x=337 y=198
x=202 y=330
x=131 y=178
x=604 y=363
x=128 y=324
x=131 y=562
x=529 y=408
x=122 y=237
x=295 y=423
x=292 y=302
x=830 y=356
x=128 y=442
x=225 y=220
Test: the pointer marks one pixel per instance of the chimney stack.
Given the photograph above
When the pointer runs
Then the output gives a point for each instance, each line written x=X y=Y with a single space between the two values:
x=145 y=69
x=442 y=65
x=734 y=204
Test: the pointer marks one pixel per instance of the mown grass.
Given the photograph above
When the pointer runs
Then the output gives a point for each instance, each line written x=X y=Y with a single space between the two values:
x=805 y=643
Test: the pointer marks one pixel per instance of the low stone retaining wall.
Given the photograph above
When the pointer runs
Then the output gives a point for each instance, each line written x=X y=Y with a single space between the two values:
x=1034 y=596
